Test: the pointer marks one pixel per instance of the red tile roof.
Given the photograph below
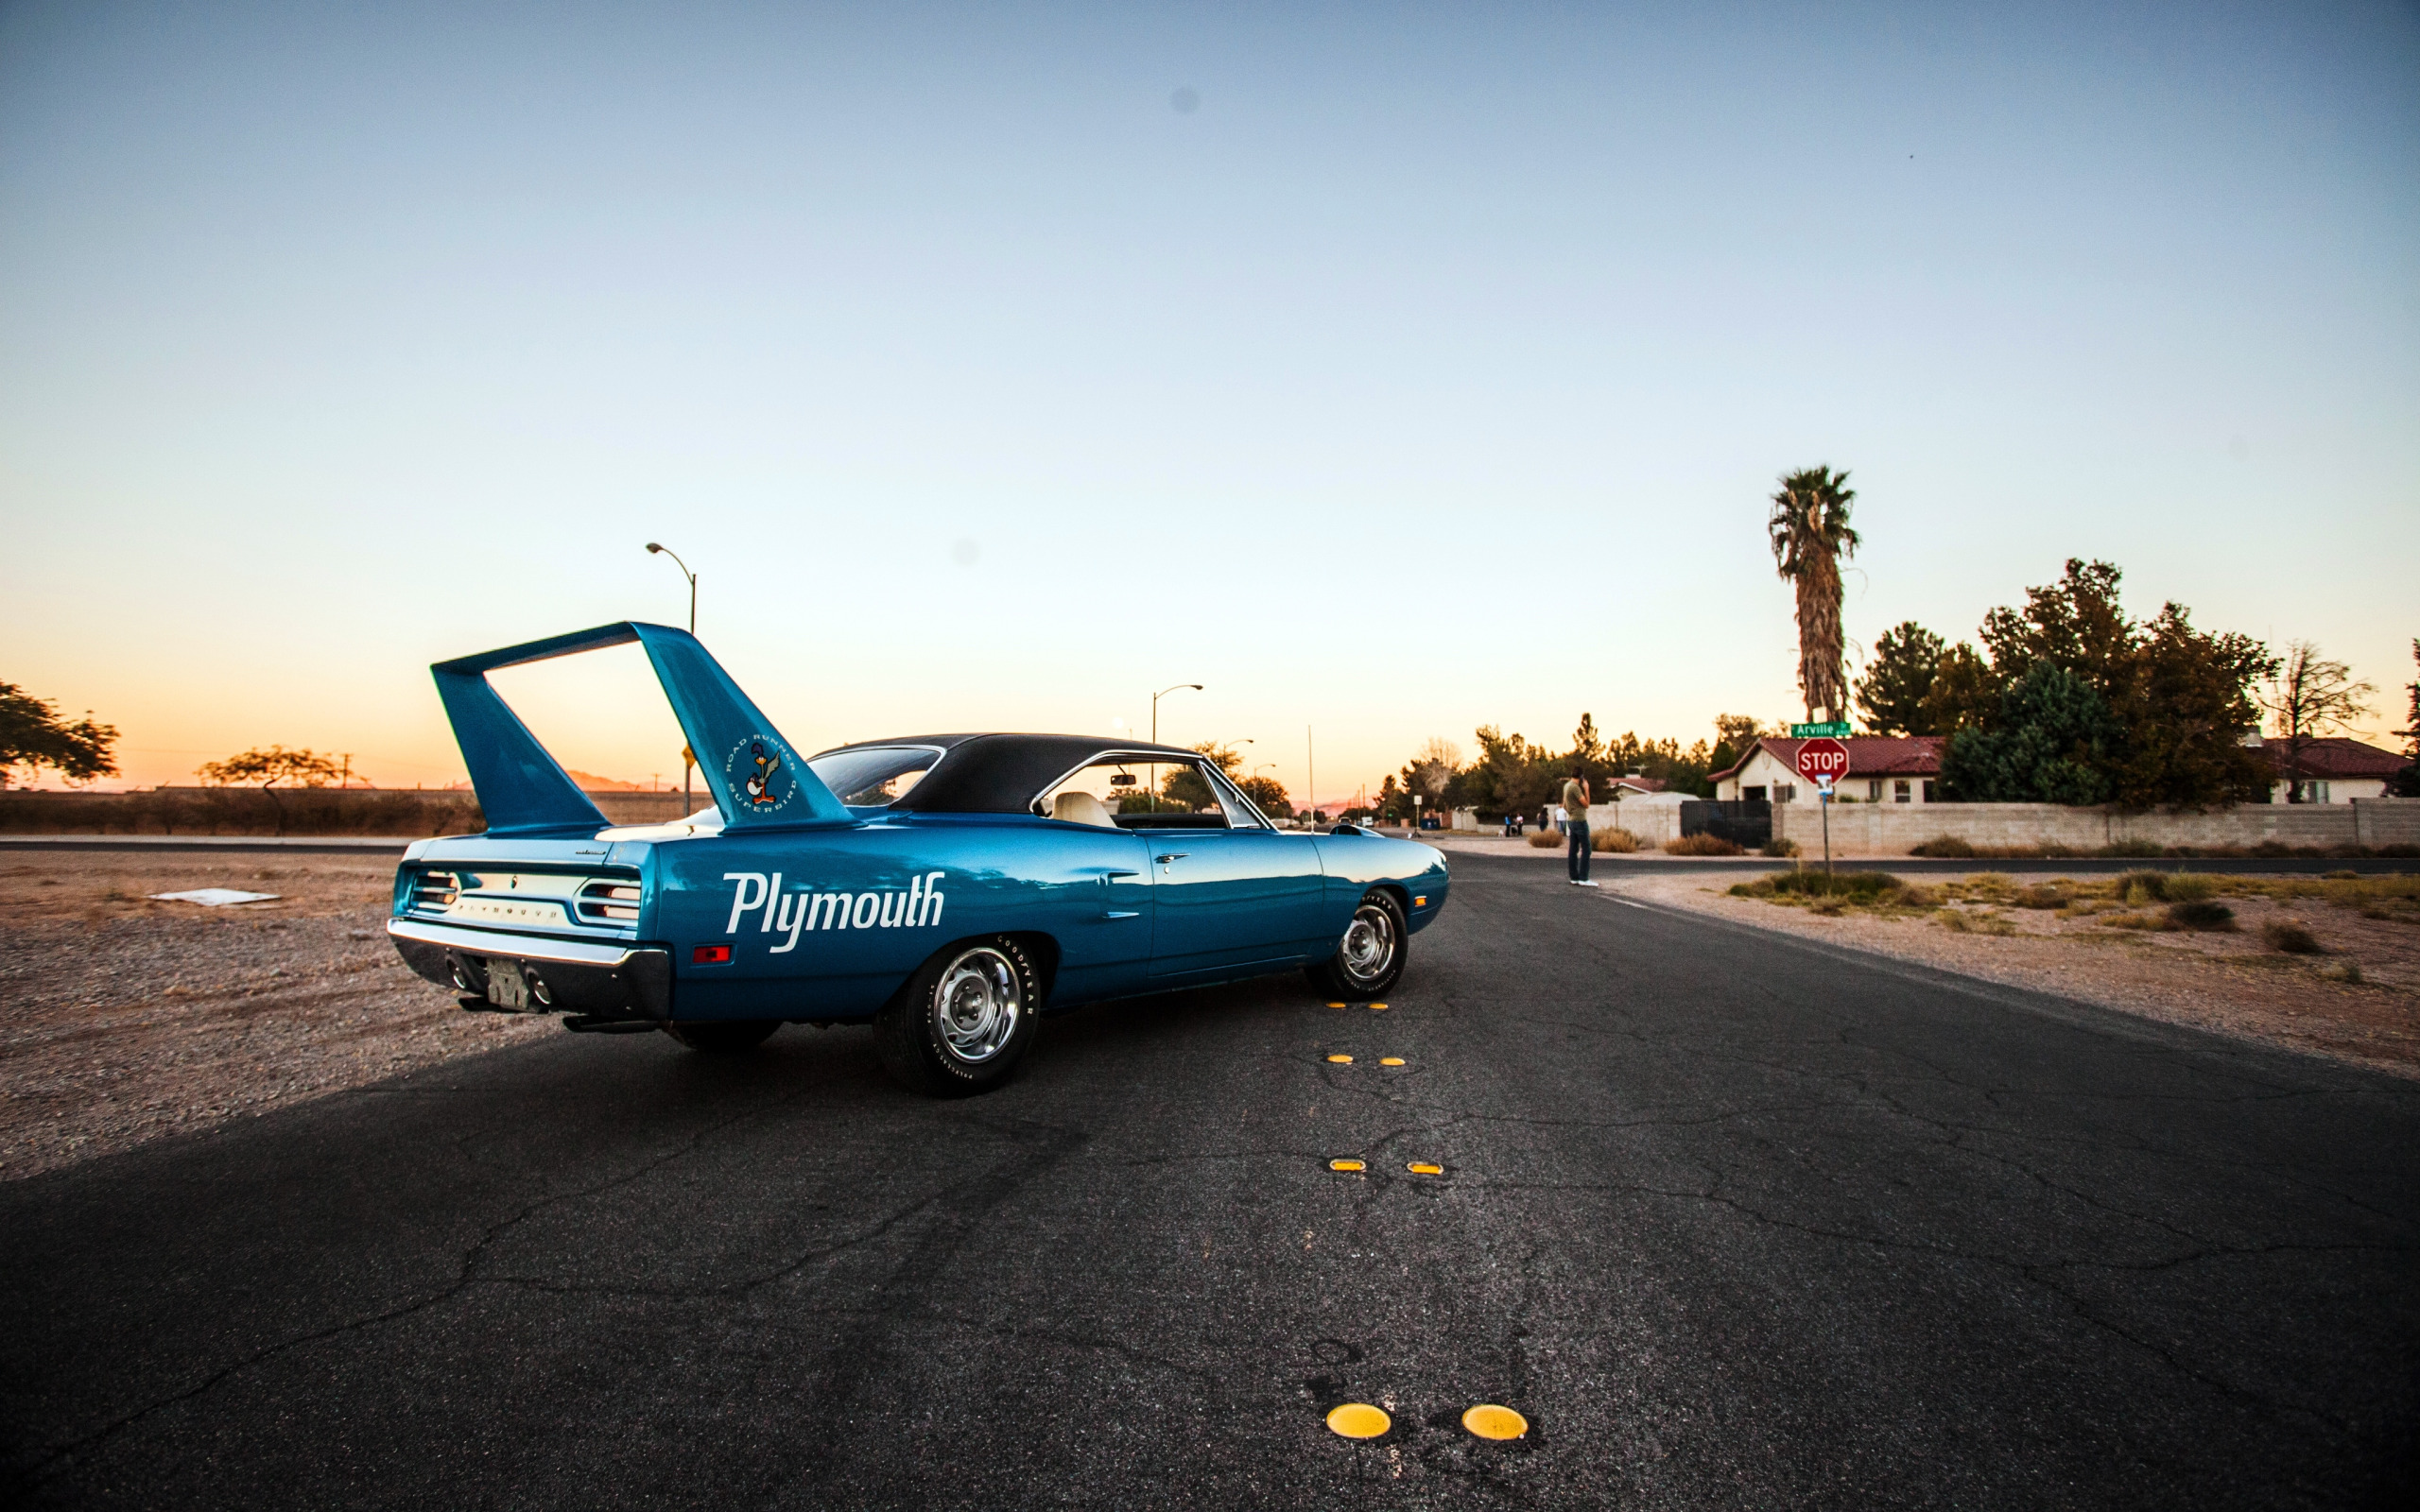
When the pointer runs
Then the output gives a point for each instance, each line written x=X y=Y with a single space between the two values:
x=1641 y=784
x=1868 y=755
x=2333 y=756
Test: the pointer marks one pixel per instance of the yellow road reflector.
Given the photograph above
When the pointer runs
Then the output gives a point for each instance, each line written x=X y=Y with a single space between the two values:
x=1340 y=1061
x=1424 y=1168
x=1337 y=1005
x=1391 y=1060
x=1377 y=1007
x=1346 y=1165
x=1358 y=1419
x=1488 y=1420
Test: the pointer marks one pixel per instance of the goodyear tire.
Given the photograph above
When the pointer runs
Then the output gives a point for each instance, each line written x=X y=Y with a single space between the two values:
x=963 y=1020
x=732 y=1036
x=1369 y=960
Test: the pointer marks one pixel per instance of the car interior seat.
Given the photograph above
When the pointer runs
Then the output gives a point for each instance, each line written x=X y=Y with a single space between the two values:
x=1076 y=807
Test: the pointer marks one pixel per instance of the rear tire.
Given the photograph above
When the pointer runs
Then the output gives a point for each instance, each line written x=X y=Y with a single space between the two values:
x=963 y=1020
x=731 y=1037
x=1369 y=960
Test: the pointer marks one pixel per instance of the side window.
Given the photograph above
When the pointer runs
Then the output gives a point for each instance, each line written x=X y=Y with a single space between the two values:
x=874 y=775
x=1141 y=791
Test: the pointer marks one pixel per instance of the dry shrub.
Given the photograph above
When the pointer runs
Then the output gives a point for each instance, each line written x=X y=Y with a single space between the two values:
x=2043 y=894
x=1781 y=849
x=2137 y=888
x=1948 y=845
x=2201 y=917
x=1617 y=841
x=1702 y=844
x=1959 y=922
x=2289 y=938
x=2191 y=887
x=1543 y=839
x=2343 y=972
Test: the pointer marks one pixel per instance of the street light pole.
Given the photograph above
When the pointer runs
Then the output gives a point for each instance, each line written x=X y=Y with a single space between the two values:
x=688 y=757
x=1155 y=705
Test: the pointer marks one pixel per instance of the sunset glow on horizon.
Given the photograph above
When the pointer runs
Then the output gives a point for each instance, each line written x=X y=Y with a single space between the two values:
x=1387 y=373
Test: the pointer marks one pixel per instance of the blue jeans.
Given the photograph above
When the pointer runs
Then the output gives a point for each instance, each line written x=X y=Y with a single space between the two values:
x=1577 y=861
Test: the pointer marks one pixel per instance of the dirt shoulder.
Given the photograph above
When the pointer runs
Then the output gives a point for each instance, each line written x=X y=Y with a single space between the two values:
x=2358 y=999
x=128 y=1019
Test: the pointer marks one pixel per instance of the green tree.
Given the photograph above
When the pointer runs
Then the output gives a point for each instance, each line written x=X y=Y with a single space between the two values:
x=1964 y=693
x=33 y=737
x=2052 y=744
x=2406 y=782
x=1808 y=530
x=267 y=768
x=2182 y=697
x=1268 y=795
x=2076 y=623
x=1892 y=692
x=2308 y=696
x=2186 y=709
x=1733 y=736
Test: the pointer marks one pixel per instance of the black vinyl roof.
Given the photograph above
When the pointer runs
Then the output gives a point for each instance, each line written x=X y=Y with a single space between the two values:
x=1002 y=773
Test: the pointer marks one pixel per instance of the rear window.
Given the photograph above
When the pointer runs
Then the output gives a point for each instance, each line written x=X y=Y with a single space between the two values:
x=874 y=775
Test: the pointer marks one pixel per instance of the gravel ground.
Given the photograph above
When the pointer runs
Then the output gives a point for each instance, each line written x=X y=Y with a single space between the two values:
x=2231 y=983
x=129 y=1018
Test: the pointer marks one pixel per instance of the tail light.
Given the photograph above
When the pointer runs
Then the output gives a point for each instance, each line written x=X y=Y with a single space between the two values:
x=435 y=889
x=613 y=902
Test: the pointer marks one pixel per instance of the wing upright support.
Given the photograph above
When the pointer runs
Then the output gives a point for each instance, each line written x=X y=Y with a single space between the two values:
x=756 y=778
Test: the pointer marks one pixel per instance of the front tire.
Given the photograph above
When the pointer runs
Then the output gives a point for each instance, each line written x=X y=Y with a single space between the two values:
x=732 y=1036
x=1369 y=960
x=963 y=1020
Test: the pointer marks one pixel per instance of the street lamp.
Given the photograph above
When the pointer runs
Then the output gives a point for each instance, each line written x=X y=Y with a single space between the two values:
x=652 y=548
x=688 y=757
x=1155 y=705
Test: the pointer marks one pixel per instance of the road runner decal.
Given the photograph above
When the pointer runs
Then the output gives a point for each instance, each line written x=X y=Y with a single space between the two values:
x=791 y=915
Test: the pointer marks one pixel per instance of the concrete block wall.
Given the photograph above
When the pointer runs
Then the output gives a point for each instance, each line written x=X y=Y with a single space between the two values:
x=1652 y=822
x=1893 y=828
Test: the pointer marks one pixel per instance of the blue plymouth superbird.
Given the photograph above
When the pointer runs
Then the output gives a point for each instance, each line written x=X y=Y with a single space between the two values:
x=944 y=888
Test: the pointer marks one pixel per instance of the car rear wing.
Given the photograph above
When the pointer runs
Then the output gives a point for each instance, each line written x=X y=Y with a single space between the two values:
x=758 y=780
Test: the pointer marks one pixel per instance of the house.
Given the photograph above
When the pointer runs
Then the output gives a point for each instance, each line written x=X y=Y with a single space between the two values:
x=2332 y=770
x=1637 y=789
x=1882 y=769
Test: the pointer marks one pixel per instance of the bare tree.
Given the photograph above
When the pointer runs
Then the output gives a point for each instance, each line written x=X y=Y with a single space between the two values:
x=2308 y=697
x=266 y=768
x=1810 y=532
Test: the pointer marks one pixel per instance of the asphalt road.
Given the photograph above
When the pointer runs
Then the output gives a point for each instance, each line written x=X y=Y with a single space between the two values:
x=1735 y=1221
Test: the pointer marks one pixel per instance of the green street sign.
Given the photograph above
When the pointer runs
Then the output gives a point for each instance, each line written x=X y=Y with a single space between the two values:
x=1835 y=730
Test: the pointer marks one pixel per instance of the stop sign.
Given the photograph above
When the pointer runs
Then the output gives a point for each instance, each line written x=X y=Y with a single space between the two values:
x=1823 y=760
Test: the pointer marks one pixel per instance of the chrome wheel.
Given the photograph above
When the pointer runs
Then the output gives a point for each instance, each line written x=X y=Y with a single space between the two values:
x=1368 y=948
x=977 y=1004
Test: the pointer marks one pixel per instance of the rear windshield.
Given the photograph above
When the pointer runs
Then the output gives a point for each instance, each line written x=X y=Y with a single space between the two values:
x=874 y=775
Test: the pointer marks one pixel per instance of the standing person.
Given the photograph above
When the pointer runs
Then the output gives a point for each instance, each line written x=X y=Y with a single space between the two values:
x=1575 y=802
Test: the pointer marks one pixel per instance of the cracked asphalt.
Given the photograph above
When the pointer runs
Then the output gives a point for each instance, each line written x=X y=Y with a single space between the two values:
x=1734 y=1220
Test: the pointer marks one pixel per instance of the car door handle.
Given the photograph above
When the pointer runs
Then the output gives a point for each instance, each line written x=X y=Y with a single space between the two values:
x=1121 y=913
x=1176 y=856
x=1113 y=876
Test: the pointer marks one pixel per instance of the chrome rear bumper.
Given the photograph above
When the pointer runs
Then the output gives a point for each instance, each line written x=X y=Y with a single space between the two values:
x=604 y=981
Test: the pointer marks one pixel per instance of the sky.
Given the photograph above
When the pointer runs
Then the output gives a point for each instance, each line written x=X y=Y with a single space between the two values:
x=1389 y=370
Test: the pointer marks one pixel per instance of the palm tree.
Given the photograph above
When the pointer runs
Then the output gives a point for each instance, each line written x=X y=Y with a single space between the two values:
x=1810 y=533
